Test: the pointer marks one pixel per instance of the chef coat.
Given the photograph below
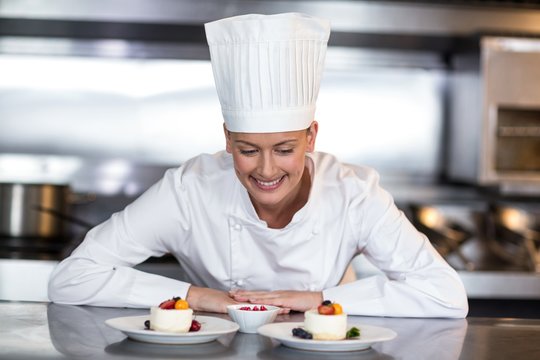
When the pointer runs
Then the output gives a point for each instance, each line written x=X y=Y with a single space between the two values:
x=202 y=215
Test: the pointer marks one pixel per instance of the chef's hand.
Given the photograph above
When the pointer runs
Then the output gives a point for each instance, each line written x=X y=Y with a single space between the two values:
x=210 y=300
x=286 y=299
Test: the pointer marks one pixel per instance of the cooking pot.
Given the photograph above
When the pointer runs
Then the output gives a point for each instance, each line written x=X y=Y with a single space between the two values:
x=35 y=210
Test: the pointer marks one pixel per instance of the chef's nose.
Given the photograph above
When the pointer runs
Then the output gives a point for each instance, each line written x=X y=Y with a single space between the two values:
x=267 y=166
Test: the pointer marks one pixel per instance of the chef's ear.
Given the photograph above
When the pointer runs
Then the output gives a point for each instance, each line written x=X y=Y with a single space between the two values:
x=227 y=139
x=312 y=136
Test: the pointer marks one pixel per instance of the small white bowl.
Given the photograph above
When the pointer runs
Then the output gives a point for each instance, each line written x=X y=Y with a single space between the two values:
x=251 y=320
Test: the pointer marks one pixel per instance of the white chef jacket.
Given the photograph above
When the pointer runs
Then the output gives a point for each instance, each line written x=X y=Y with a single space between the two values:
x=202 y=215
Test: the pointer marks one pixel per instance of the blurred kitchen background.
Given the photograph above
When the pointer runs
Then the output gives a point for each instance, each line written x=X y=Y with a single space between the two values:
x=99 y=97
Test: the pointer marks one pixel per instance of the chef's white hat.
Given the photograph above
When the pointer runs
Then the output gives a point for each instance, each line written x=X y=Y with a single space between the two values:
x=268 y=69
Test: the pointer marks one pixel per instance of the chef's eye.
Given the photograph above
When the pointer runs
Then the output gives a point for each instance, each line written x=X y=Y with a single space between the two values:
x=249 y=152
x=284 y=151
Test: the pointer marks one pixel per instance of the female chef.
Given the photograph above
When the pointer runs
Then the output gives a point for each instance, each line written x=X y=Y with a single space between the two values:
x=268 y=220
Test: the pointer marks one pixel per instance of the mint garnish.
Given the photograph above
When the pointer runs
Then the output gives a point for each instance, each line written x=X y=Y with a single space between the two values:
x=352 y=333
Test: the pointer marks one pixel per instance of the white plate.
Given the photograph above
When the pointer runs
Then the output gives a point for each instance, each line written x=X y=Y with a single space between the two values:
x=369 y=335
x=211 y=329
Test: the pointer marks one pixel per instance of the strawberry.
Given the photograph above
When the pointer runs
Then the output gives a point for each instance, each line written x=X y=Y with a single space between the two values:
x=167 y=304
x=326 y=310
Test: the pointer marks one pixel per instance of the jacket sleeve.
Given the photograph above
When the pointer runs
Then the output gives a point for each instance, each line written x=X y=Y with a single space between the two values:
x=415 y=280
x=99 y=271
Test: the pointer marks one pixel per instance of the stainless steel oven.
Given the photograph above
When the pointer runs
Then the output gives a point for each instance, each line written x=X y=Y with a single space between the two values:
x=495 y=115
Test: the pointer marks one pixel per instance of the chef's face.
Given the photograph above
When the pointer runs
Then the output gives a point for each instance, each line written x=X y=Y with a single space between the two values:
x=270 y=165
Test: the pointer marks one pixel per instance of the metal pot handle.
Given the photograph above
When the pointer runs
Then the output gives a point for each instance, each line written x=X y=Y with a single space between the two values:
x=65 y=217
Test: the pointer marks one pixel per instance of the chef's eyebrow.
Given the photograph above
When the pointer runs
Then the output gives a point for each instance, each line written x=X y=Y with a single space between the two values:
x=285 y=142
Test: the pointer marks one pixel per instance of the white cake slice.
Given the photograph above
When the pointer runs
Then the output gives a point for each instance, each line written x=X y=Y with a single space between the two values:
x=170 y=320
x=325 y=327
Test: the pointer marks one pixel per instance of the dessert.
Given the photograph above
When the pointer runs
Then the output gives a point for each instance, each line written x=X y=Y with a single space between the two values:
x=173 y=315
x=327 y=322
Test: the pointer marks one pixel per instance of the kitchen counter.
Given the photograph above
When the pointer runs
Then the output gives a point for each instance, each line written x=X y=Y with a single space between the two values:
x=50 y=331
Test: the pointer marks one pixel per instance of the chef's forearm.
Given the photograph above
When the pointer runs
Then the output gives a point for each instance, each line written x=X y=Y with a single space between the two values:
x=439 y=295
x=83 y=282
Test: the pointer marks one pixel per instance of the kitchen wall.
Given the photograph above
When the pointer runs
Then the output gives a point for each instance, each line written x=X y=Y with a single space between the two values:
x=106 y=94
x=111 y=125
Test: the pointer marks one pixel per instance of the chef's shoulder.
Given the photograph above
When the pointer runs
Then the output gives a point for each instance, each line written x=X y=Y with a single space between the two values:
x=351 y=179
x=203 y=171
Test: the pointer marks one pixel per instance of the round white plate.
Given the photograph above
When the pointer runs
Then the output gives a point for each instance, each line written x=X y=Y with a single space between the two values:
x=211 y=329
x=369 y=335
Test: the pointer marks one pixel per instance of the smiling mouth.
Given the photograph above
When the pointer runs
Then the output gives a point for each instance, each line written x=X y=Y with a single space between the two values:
x=268 y=185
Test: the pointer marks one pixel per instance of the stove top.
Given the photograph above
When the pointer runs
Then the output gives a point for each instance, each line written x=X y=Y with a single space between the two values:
x=34 y=248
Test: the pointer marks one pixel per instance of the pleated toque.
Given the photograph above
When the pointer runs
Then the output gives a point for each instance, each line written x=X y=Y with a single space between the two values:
x=268 y=69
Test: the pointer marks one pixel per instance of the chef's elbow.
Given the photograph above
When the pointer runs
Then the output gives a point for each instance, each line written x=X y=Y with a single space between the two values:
x=462 y=309
x=459 y=311
x=458 y=306
x=62 y=287
x=56 y=287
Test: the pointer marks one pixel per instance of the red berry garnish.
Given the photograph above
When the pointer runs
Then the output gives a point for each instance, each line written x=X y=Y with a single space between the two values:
x=245 y=308
x=195 y=326
x=263 y=308
x=167 y=304
x=326 y=310
x=255 y=308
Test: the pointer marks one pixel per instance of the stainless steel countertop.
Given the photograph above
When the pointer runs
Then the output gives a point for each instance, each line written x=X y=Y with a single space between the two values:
x=51 y=331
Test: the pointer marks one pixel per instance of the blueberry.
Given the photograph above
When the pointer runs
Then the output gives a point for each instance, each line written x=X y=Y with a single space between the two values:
x=301 y=333
x=326 y=302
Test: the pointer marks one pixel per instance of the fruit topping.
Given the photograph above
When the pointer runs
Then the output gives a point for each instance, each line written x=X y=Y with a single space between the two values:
x=167 y=304
x=255 y=308
x=301 y=333
x=326 y=310
x=337 y=309
x=181 y=304
x=195 y=326
x=174 y=303
x=329 y=308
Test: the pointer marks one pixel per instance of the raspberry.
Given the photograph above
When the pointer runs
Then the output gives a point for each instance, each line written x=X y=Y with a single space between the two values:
x=255 y=308
x=263 y=308
x=195 y=326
